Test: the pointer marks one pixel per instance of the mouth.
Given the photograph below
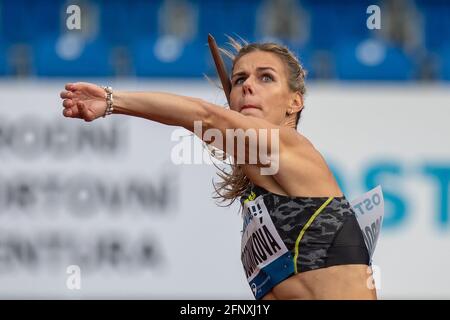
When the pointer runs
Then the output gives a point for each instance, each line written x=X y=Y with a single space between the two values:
x=249 y=106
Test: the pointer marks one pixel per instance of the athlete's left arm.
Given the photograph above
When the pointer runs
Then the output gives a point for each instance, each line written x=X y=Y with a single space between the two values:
x=172 y=109
x=87 y=101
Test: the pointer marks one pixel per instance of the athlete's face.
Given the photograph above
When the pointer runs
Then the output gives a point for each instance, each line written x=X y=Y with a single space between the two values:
x=260 y=88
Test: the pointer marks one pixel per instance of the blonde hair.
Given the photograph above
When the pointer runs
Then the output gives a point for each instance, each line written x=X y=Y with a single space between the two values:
x=234 y=183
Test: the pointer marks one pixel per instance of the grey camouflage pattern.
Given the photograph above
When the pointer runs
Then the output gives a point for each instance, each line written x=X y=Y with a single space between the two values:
x=290 y=214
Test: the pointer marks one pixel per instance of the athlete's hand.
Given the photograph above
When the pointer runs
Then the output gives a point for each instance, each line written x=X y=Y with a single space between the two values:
x=84 y=101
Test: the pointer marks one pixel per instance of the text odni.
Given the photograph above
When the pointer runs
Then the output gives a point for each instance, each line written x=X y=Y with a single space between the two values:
x=252 y=309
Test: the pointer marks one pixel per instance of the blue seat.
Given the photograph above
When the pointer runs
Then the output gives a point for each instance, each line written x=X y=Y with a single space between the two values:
x=54 y=58
x=308 y=59
x=154 y=57
x=233 y=18
x=16 y=20
x=240 y=18
x=436 y=22
x=324 y=22
x=22 y=20
x=210 y=21
x=122 y=22
x=444 y=63
x=47 y=16
x=5 y=68
x=352 y=20
x=375 y=63
x=116 y=21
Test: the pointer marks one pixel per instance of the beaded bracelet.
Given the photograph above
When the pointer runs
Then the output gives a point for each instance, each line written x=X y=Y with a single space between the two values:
x=109 y=101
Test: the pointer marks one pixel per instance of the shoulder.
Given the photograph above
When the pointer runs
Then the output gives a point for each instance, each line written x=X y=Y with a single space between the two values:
x=303 y=169
x=295 y=141
x=298 y=149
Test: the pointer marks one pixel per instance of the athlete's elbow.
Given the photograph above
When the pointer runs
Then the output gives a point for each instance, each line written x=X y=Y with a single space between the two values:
x=196 y=117
x=212 y=120
x=210 y=115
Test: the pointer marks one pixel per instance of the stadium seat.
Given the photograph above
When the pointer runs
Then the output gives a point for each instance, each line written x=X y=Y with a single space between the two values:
x=4 y=63
x=372 y=60
x=23 y=20
x=436 y=23
x=122 y=22
x=70 y=56
x=170 y=57
x=444 y=63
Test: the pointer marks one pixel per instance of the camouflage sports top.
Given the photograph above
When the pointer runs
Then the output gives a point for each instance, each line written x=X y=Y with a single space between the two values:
x=285 y=235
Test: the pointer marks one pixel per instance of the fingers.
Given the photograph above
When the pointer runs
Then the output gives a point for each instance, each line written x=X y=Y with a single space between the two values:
x=66 y=94
x=85 y=113
x=70 y=86
x=67 y=113
x=74 y=86
x=72 y=107
x=71 y=110
x=80 y=106
x=77 y=86
x=67 y=103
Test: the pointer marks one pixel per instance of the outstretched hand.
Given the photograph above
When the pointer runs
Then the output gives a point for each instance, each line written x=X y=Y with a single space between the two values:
x=83 y=100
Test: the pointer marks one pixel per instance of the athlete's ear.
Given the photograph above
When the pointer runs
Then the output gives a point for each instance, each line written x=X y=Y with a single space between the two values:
x=296 y=102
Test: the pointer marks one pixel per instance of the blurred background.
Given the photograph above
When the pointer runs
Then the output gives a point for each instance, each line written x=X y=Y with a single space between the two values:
x=167 y=38
x=110 y=200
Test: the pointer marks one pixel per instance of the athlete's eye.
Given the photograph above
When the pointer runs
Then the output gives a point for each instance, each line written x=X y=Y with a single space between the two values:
x=239 y=81
x=267 y=77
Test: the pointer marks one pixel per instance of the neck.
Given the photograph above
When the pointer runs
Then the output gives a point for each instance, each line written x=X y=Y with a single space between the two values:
x=290 y=121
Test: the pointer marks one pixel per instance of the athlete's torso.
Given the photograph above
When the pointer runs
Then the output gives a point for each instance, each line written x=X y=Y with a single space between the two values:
x=285 y=235
x=285 y=215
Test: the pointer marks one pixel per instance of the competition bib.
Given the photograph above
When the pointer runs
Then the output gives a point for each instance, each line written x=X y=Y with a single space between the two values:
x=265 y=258
x=369 y=210
x=261 y=247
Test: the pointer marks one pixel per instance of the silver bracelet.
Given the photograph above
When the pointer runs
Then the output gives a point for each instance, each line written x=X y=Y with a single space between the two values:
x=109 y=101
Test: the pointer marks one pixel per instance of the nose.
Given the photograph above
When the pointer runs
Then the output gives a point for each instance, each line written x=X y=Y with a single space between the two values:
x=247 y=87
